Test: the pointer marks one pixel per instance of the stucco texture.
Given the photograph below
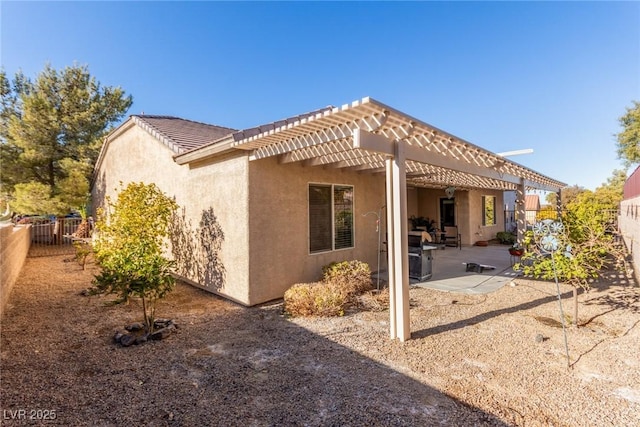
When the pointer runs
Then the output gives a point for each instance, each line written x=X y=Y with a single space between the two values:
x=243 y=226
x=476 y=231
x=279 y=224
x=213 y=207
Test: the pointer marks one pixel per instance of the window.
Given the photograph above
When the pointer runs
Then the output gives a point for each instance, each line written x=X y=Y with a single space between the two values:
x=330 y=217
x=489 y=210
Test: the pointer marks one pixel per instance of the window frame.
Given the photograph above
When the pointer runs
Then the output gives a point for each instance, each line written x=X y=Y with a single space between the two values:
x=484 y=211
x=333 y=218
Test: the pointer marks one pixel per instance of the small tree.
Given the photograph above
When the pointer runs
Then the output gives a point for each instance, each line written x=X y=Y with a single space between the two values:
x=130 y=245
x=586 y=249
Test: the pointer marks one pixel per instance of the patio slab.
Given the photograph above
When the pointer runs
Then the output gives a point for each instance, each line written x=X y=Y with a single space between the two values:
x=449 y=270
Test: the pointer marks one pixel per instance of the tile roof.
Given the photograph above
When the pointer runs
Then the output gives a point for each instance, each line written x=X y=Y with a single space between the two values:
x=179 y=134
x=246 y=133
x=531 y=202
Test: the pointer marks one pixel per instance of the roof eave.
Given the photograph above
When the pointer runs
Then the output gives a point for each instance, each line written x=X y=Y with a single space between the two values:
x=216 y=148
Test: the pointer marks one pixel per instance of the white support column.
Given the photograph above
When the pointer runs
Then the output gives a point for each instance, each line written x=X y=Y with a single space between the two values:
x=400 y=244
x=393 y=331
x=521 y=215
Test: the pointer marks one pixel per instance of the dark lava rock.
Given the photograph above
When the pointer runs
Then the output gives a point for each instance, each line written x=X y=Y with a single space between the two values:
x=134 y=327
x=128 y=340
x=161 y=334
x=142 y=339
x=118 y=336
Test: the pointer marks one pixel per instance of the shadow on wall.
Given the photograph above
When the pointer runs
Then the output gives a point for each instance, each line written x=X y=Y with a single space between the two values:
x=98 y=193
x=197 y=251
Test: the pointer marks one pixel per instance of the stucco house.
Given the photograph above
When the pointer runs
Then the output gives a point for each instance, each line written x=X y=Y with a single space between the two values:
x=266 y=207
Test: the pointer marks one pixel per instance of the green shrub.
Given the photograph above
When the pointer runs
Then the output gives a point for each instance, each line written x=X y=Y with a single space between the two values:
x=351 y=277
x=83 y=250
x=506 y=238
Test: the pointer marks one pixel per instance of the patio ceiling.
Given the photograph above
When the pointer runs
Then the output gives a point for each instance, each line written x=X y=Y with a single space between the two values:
x=352 y=137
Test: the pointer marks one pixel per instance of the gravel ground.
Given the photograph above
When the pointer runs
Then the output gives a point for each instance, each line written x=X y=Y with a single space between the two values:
x=495 y=359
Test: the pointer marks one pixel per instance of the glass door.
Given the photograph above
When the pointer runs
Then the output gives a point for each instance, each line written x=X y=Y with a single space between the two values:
x=447 y=212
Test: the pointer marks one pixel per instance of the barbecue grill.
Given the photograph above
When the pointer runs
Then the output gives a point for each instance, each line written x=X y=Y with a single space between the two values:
x=420 y=256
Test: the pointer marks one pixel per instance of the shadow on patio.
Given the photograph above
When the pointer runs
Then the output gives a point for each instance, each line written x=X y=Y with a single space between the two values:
x=449 y=269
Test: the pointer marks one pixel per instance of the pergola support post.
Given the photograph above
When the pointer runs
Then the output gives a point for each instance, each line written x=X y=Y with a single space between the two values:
x=521 y=215
x=398 y=261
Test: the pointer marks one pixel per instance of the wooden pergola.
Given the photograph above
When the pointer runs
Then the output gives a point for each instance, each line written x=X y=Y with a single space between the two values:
x=370 y=137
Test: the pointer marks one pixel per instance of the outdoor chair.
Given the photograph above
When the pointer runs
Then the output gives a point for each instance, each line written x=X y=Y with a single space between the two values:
x=451 y=236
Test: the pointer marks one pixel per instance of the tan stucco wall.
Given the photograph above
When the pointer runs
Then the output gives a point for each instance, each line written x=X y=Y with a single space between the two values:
x=629 y=225
x=465 y=214
x=476 y=231
x=261 y=207
x=135 y=156
x=279 y=236
x=14 y=246
x=428 y=203
x=468 y=206
x=429 y=207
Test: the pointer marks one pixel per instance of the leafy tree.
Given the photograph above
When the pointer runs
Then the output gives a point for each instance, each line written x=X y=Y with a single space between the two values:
x=567 y=195
x=629 y=138
x=51 y=131
x=592 y=246
x=588 y=218
x=34 y=197
x=610 y=194
x=130 y=246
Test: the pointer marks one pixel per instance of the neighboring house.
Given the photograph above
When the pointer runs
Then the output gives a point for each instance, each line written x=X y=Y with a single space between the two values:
x=531 y=207
x=267 y=207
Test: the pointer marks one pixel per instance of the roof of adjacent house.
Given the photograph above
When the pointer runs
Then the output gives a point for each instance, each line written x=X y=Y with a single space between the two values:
x=531 y=202
x=179 y=134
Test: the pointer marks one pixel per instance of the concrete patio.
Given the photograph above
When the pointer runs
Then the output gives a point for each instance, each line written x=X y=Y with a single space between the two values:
x=449 y=270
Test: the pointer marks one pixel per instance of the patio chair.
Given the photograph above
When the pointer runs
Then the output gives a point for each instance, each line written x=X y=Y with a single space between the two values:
x=451 y=236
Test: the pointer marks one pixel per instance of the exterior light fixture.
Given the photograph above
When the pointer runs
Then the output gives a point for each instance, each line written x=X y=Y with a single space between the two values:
x=449 y=191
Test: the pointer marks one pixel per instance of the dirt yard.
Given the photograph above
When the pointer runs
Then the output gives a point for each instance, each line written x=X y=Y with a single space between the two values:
x=497 y=359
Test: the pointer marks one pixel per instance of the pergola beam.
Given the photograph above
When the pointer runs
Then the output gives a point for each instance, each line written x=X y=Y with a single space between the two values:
x=380 y=144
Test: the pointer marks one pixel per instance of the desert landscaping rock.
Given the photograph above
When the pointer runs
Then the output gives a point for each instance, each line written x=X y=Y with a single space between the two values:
x=118 y=336
x=161 y=334
x=472 y=363
x=128 y=340
x=133 y=327
x=141 y=339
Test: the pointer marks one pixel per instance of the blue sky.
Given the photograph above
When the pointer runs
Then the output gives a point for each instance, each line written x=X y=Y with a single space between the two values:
x=552 y=76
